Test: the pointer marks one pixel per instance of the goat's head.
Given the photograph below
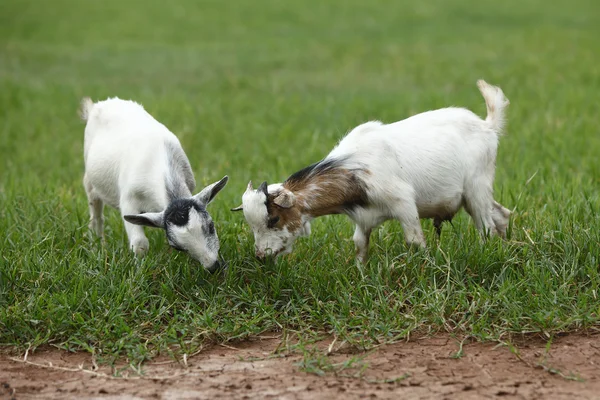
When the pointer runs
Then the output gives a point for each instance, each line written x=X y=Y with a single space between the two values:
x=275 y=218
x=189 y=227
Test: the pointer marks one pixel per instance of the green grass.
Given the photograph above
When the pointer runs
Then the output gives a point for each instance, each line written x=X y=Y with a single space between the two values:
x=257 y=90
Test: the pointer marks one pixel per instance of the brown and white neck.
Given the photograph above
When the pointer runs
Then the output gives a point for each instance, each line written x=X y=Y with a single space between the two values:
x=335 y=191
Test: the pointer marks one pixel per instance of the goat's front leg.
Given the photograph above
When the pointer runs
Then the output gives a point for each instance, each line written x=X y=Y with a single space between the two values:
x=137 y=238
x=406 y=212
x=361 y=242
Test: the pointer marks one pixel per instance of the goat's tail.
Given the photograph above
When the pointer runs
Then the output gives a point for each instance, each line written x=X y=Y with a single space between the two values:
x=496 y=104
x=86 y=108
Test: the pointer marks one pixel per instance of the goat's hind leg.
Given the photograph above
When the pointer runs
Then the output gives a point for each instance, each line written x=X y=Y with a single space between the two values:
x=437 y=224
x=479 y=203
x=96 y=206
x=500 y=216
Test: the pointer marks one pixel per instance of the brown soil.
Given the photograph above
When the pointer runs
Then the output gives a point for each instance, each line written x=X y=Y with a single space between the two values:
x=418 y=369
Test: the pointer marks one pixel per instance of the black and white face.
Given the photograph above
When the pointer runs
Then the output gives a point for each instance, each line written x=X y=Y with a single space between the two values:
x=188 y=226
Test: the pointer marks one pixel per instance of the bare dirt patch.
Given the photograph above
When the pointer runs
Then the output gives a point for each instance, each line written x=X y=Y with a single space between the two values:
x=418 y=369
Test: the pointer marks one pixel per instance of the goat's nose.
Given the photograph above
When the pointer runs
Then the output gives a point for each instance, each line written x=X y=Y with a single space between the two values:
x=219 y=265
x=268 y=254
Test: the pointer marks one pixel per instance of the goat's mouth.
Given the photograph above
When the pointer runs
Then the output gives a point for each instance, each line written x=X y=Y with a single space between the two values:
x=269 y=254
x=219 y=265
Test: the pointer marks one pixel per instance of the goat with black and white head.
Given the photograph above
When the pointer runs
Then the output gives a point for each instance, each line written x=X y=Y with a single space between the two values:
x=427 y=166
x=134 y=163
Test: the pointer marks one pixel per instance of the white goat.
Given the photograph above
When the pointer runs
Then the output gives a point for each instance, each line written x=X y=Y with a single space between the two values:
x=134 y=163
x=426 y=166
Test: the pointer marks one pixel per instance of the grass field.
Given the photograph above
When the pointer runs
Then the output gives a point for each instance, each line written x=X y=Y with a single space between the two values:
x=257 y=90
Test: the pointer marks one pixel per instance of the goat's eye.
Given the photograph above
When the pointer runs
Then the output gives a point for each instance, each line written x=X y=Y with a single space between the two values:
x=272 y=222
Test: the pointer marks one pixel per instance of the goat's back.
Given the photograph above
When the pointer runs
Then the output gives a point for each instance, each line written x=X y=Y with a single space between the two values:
x=125 y=148
x=123 y=118
x=430 y=155
x=430 y=136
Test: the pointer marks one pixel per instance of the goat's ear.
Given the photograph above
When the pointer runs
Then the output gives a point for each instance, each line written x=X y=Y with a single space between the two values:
x=154 y=220
x=207 y=194
x=285 y=199
x=263 y=188
x=238 y=208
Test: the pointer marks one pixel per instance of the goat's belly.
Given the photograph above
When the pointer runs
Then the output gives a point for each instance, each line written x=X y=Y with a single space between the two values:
x=443 y=209
x=369 y=216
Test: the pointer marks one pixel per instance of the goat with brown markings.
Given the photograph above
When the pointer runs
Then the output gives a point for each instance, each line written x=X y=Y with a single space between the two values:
x=426 y=166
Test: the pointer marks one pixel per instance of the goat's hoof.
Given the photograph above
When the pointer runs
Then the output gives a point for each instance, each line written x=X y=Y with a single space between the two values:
x=140 y=251
x=361 y=257
x=95 y=231
x=417 y=245
x=140 y=247
x=97 y=227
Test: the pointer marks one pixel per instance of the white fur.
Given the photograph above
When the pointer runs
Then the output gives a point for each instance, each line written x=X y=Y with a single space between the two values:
x=425 y=166
x=268 y=241
x=128 y=166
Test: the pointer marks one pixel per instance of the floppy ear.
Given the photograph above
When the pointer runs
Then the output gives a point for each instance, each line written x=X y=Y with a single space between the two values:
x=154 y=220
x=238 y=208
x=285 y=199
x=207 y=194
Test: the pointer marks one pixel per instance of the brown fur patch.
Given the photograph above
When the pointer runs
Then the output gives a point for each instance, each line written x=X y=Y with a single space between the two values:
x=287 y=217
x=334 y=192
x=320 y=189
